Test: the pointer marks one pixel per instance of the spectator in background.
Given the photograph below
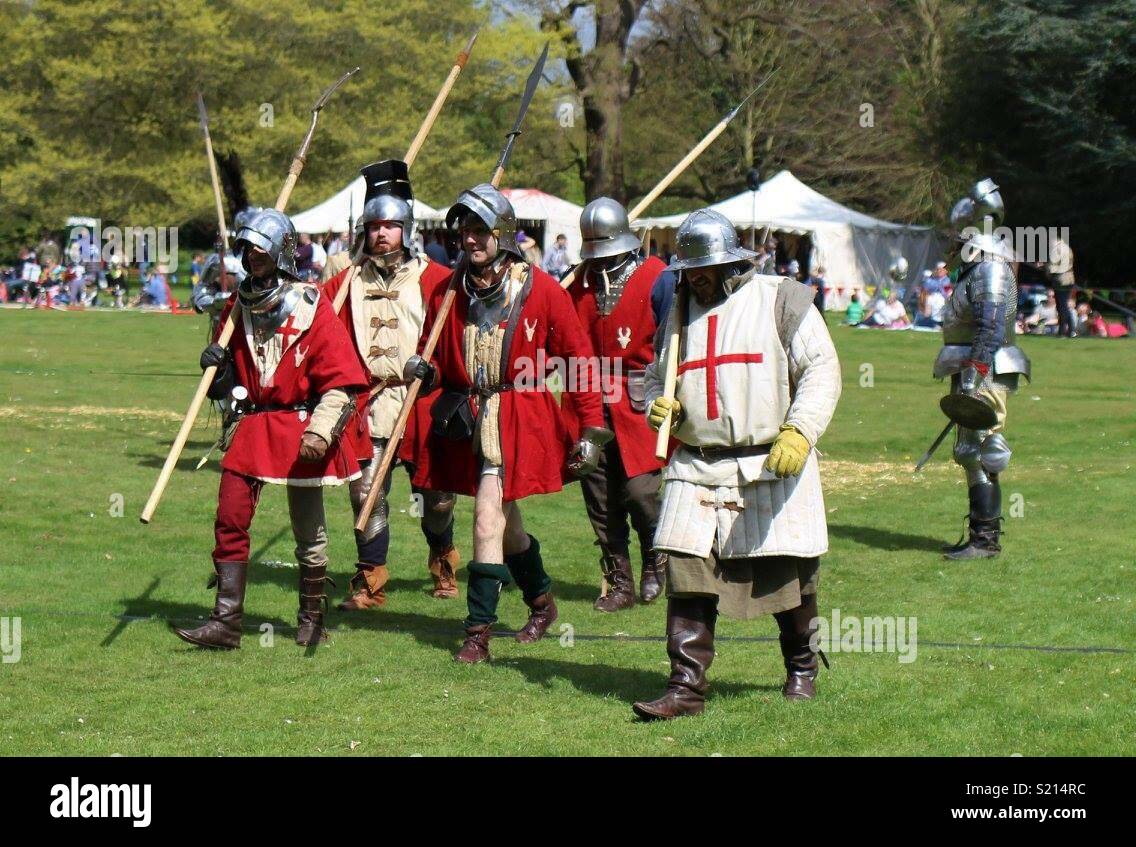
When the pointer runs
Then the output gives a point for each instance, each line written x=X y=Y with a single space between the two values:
x=337 y=243
x=766 y=259
x=30 y=275
x=155 y=293
x=1045 y=319
x=556 y=262
x=938 y=280
x=304 y=256
x=529 y=248
x=436 y=251
x=794 y=270
x=1059 y=274
x=817 y=281
x=195 y=268
x=319 y=258
x=889 y=314
x=854 y=314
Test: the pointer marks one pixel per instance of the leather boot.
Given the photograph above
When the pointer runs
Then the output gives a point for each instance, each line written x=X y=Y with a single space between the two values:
x=542 y=614
x=984 y=524
x=476 y=646
x=690 y=646
x=223 y=629
x=443 y=565
x=620 y=584
x=801 y=664
x=313 y=601
x=368 y=589
x=654 y=576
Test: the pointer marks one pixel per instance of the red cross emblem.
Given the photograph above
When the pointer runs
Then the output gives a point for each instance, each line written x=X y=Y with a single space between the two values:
x=711 y=363
x=288 y=330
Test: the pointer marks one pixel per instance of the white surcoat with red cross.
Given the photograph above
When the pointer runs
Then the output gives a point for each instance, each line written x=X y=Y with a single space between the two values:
x=737 y=385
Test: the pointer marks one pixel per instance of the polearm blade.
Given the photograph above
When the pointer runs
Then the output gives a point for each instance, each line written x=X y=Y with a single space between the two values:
x=443 y=312
x=934 y=446
x=663 y=184
x=302 y=153
x=526 y=99
x=222 y=229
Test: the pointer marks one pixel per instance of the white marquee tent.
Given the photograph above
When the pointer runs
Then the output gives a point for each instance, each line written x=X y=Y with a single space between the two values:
x=338 y=212
x=530 y=204
x=855 y=249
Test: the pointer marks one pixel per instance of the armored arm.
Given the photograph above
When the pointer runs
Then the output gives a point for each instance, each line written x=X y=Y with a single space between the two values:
x=331 y=415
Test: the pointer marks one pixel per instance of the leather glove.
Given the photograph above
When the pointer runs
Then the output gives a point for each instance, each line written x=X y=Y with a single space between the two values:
x=312 y=447
x=418 y=368
x=585 y=455
x=214 y=356
x=789 y=452
x=658 y=412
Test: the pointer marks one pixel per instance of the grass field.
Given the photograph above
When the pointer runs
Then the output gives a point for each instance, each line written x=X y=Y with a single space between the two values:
x=91 y=402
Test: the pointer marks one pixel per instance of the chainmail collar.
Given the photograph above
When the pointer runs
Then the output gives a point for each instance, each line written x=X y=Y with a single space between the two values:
x=490 y=292
x=610 y=282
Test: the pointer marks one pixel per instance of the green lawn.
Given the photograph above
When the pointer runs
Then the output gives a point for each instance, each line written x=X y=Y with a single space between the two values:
x=91 y=402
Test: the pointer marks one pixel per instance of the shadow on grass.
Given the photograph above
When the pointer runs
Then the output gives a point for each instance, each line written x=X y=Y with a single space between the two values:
x=885 y=539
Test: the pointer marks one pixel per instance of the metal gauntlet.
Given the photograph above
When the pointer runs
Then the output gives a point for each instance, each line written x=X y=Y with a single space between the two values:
x=418 y=368
x=585 y=455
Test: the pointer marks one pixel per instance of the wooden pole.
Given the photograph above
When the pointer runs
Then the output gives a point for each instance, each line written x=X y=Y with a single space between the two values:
x=415 y=147
x=670 y=372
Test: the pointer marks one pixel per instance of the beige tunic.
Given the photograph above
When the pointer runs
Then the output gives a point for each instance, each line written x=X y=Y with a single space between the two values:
x=387 y=316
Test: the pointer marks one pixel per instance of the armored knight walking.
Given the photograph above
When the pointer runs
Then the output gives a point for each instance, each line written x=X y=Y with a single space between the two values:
x=980 y=356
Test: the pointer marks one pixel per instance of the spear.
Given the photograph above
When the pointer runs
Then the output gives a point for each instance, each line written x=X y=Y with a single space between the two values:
x=222 y=229
x=682 y=165
x=230 y=324
x=444 y=310
x=415 y=146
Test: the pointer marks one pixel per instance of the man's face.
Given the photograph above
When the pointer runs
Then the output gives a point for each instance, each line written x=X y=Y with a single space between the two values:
x=478 y=241
x=259 y=263
x=705 y=284
x=383 y=236
x=562 y=242
x=940 y=272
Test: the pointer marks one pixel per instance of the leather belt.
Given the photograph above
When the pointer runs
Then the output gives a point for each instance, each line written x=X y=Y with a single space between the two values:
x=712 y=452
x=380 y=385
x=308 y=406
x=490 y=390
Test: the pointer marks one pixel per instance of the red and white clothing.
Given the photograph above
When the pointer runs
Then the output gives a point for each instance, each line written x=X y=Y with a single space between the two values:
x=624 y=342
x=384 y=317
x=738 y=382
x=308 y=358
x=521 y=429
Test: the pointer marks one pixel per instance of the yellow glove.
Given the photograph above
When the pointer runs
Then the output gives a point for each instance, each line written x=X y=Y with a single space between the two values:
x=789 y=452
x=658 y=412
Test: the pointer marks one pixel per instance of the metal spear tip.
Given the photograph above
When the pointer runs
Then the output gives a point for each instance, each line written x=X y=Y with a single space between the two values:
x=323 y=98
x=472 y=39
x=756 y=88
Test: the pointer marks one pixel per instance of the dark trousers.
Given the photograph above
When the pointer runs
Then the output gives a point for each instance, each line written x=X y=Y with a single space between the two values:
x=613 y=500
x=1064 y=315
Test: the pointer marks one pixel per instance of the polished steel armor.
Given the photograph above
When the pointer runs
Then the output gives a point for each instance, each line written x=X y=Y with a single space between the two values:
x=991 y=281
x=605 y=229
x=707 y=238
x=274 y=233
x=493 y=209
x=389 y=197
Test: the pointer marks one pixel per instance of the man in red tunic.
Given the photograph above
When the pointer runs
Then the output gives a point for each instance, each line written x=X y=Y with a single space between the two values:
x=383 y=311
x=621 y=299
x=291 y=374
x=498 y=434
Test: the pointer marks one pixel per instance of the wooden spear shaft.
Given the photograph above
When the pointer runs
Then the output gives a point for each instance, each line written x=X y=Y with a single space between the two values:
x=415 y=147
x=670 y=371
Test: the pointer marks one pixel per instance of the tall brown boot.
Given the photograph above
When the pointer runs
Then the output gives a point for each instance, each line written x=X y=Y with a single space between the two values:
x=654 y=576
x=313 y=601
x=542 y=614
x=690 y=645
x=443 y=565
x=620 y=584
x=476 y=646
x=223 y=629
x=368 y=591
x=801 y=663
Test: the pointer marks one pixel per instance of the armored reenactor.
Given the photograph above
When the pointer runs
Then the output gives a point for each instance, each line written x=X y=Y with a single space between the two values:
x=293 y=374
x=743 y=519
x=621 y=300
x=497 y=433
x=383 y=312
x=980 y=356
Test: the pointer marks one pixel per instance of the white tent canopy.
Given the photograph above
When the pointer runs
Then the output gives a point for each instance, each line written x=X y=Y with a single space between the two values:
x=855 y=249
x=340 y=211
x=558 y=216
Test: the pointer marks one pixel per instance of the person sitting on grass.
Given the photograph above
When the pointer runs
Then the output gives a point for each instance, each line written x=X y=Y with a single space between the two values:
x=855 y=311
x=1044 y=320
x=890 y=314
